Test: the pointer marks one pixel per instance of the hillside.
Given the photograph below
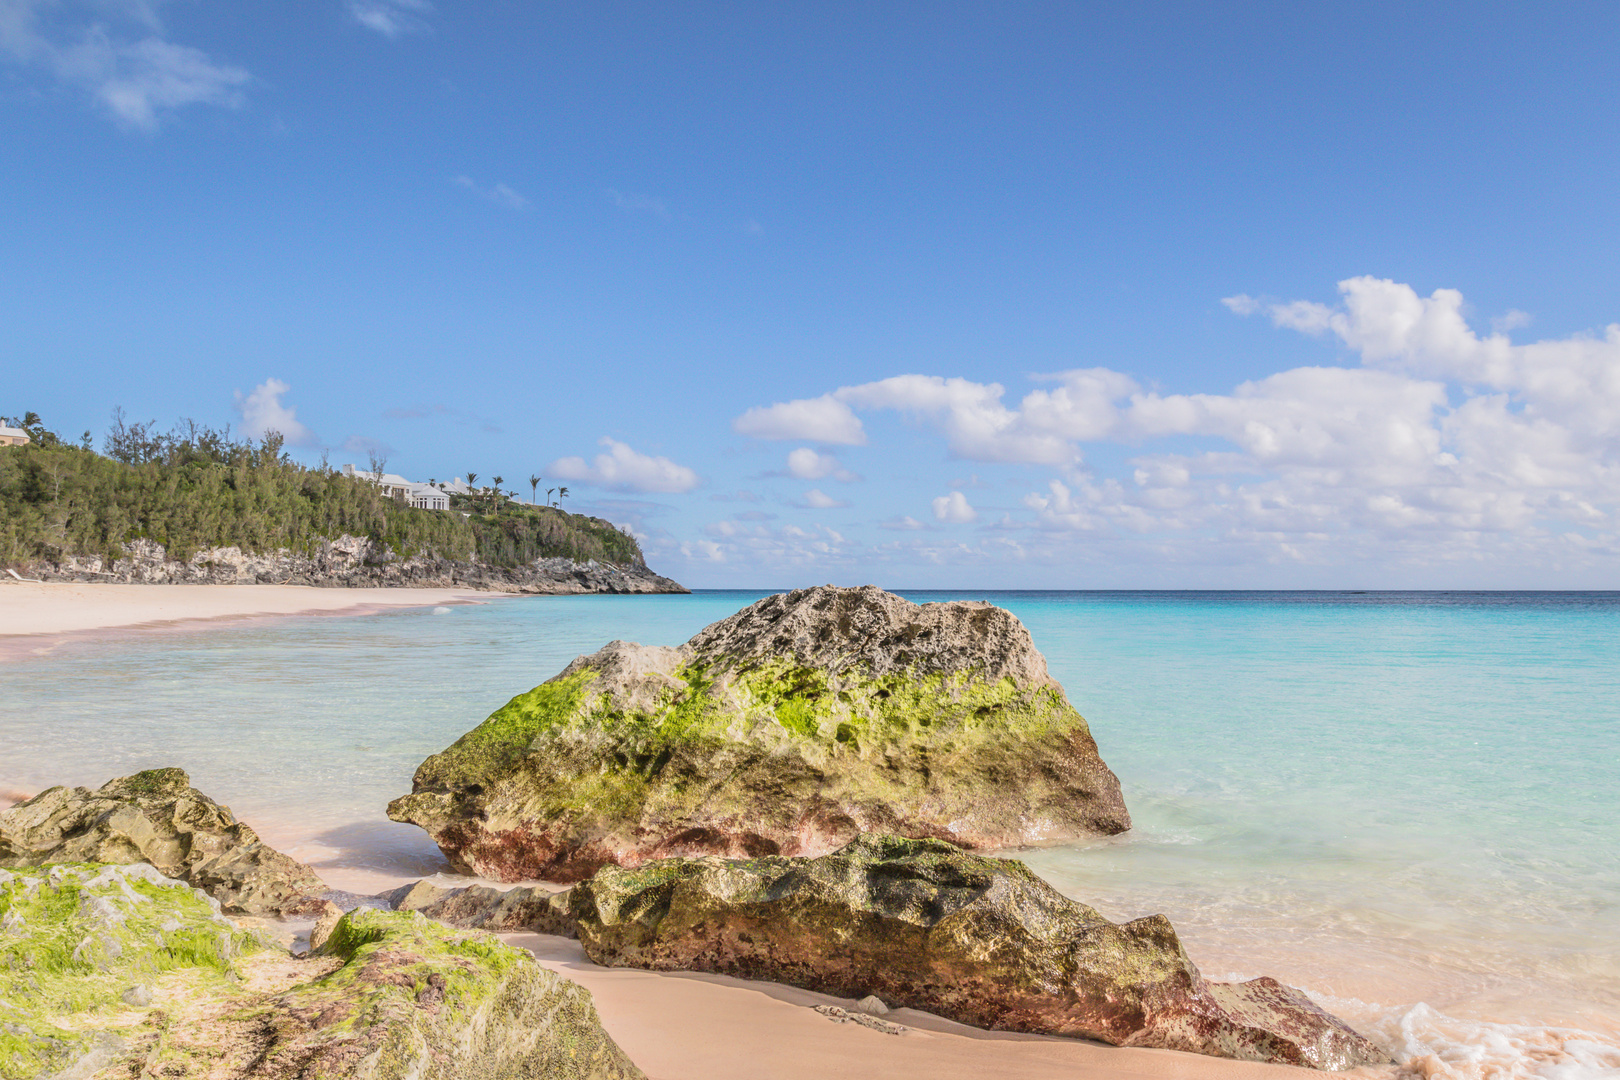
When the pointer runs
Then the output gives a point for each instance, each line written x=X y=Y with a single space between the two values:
x=67 y=508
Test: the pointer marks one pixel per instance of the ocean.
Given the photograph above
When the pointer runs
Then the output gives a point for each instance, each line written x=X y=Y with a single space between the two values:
x=1407 y=804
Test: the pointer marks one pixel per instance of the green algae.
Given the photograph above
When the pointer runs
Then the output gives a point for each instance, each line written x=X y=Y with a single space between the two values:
x=849 y=714
x=75 y=936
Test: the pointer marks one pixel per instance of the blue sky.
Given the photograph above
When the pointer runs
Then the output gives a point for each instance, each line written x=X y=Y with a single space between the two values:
x=1009 y=295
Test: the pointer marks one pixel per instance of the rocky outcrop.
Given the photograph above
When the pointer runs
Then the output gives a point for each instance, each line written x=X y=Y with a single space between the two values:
x=789 y=728
x=535 y=910
x=352 y=561
x=920 y=923
x=119 y=971
x=157 y=817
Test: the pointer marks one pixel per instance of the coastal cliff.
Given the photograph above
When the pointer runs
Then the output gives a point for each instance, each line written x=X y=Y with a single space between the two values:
x=789 y=728
x=199 y=508
x=352 y=562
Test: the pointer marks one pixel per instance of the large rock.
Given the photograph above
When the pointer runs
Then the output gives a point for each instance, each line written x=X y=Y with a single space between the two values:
x=789 y=728
x=119 y=971
x=922 y=924
x=157 y=817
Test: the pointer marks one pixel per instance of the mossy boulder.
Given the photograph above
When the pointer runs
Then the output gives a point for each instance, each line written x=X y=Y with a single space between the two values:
x=119 y=971
x=921 y=923
x=157 y=817
x=789 y=728
x=82 y=944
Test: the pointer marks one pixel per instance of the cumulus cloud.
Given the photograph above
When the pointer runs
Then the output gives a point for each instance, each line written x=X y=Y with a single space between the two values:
x=390 y=18
x=807 y=464
x=117 y=52
x=976 y=422
x=954 y=508
x=816 y=499
x=823 y=420
x=500 y=194
x=263 y=411
x=1444 y=445
x=624 y=469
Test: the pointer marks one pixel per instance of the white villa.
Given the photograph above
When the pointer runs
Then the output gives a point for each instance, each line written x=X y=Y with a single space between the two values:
x=409 y=492
x=10 y=436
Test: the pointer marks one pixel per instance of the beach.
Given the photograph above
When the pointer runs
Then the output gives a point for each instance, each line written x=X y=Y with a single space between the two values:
x=46 y=609
x=1370 y=814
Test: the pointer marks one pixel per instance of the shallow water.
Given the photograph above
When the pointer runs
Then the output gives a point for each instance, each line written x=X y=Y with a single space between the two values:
x=1405 y=803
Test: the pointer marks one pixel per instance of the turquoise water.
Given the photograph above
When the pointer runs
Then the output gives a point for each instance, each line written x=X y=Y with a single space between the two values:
x=1408 y=804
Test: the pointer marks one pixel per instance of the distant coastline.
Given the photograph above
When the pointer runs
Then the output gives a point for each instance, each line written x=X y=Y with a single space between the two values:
x=351 y=562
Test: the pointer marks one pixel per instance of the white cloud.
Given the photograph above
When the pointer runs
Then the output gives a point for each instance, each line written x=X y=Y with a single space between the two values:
x=806 y=464
x=624 y=469
x=823 y=419
x=976 y=423
x=262 y=412
x=117 y=52
x=954 y=508
x=498 y=193
x=1444 y=446
x=390 y=18
x=1512 y=319
x=816 y=499
x=903 y=523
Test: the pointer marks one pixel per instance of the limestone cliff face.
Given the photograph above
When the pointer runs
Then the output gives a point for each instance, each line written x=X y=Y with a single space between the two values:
x=789 y=728
x=352 y=561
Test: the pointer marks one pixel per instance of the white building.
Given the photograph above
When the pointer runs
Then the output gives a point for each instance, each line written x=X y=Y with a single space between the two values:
x=409 y=492
x=10 y=436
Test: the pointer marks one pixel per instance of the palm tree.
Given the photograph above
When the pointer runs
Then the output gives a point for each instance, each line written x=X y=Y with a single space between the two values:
x=548 y=495
x=471 y=476
x=562 y=493
x=534 y=488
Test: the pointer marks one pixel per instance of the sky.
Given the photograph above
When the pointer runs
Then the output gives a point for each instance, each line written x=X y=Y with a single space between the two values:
x=932 y=295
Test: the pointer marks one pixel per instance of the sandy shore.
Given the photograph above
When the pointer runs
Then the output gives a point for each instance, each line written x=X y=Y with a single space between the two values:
x=32 y=608
x=689 y=1026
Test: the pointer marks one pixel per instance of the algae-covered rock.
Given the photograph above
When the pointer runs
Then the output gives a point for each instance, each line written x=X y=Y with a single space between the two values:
x=119 y=971
x=417 y=999
x=82 y=945
x=981 y=940
x=789 y=728
x=157 y=817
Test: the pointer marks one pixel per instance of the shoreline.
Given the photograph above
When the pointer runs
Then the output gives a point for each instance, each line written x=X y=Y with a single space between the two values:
x=37 y=616
x=682 y=1025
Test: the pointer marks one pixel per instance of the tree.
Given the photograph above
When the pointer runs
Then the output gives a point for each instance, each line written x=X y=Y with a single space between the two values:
x=534 y=489
x=548 y=495
x=471 y=476
x=378 y=465
x=562 y=493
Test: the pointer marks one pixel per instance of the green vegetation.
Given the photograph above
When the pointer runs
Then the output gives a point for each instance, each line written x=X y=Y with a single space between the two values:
x=195 y=488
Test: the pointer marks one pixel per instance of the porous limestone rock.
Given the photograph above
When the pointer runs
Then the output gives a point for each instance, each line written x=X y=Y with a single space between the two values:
x=157 y=817
x=923 y=924
x=119 y=971
x=789 y=728
x=351 y=561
